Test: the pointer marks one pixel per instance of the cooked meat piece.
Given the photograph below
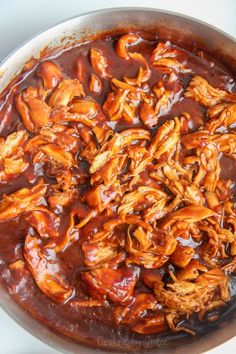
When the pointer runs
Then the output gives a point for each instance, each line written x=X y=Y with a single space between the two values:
x=24 y=200
x=50 y=73
x=46 y=271
x=201 y=91
x=116 y=285
x=99 y=62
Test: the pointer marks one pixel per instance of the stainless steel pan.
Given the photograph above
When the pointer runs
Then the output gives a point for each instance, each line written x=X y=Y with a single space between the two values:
x=182 y=30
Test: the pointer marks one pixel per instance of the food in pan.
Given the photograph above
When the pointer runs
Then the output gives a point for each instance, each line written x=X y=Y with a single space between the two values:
x=117 y=189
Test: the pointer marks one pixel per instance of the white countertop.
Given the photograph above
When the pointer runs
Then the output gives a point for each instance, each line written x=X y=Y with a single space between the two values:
x=21 y=19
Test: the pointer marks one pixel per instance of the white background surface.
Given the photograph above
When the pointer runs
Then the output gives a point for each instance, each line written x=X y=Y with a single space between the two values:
x=21 y=19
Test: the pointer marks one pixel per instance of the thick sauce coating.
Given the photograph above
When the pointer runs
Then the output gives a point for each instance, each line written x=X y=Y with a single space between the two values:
x=117 y=192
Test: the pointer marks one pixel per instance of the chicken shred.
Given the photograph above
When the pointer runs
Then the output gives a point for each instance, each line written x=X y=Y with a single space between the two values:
x=140 y=192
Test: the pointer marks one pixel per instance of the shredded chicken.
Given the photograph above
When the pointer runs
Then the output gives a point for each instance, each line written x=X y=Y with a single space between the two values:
x=99 y=62
x=164 y=57
x=125 y=41
x=106 y=166
x=140 y=305
x=117 y=285
x=201 y=91
x=12 y=155
x=24 y=200
x=188 y=297
x=65 y=92
x=151 y=324
x=50 y=73
x=226 y=118
x=95 y=84
x=44 y=221
x=34 y=111
x=166 y=139
x=44 y=272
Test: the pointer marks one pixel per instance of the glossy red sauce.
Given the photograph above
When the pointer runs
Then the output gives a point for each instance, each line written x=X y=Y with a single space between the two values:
x=95 y=325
